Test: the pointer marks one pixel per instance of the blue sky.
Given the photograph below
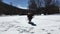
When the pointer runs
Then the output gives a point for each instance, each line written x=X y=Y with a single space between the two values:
x=19 y=3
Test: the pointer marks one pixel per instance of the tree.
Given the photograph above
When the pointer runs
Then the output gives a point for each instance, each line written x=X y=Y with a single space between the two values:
x=50 y=7
x=47 y=2
x=32 y=5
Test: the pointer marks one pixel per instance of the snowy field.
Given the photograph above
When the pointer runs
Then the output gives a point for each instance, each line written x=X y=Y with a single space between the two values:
x=46 y=24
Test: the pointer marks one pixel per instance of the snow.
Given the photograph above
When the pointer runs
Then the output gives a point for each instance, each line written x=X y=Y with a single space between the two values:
x=46 y=24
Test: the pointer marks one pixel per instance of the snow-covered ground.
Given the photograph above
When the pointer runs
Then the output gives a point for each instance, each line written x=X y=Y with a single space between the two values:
x=46 y=24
